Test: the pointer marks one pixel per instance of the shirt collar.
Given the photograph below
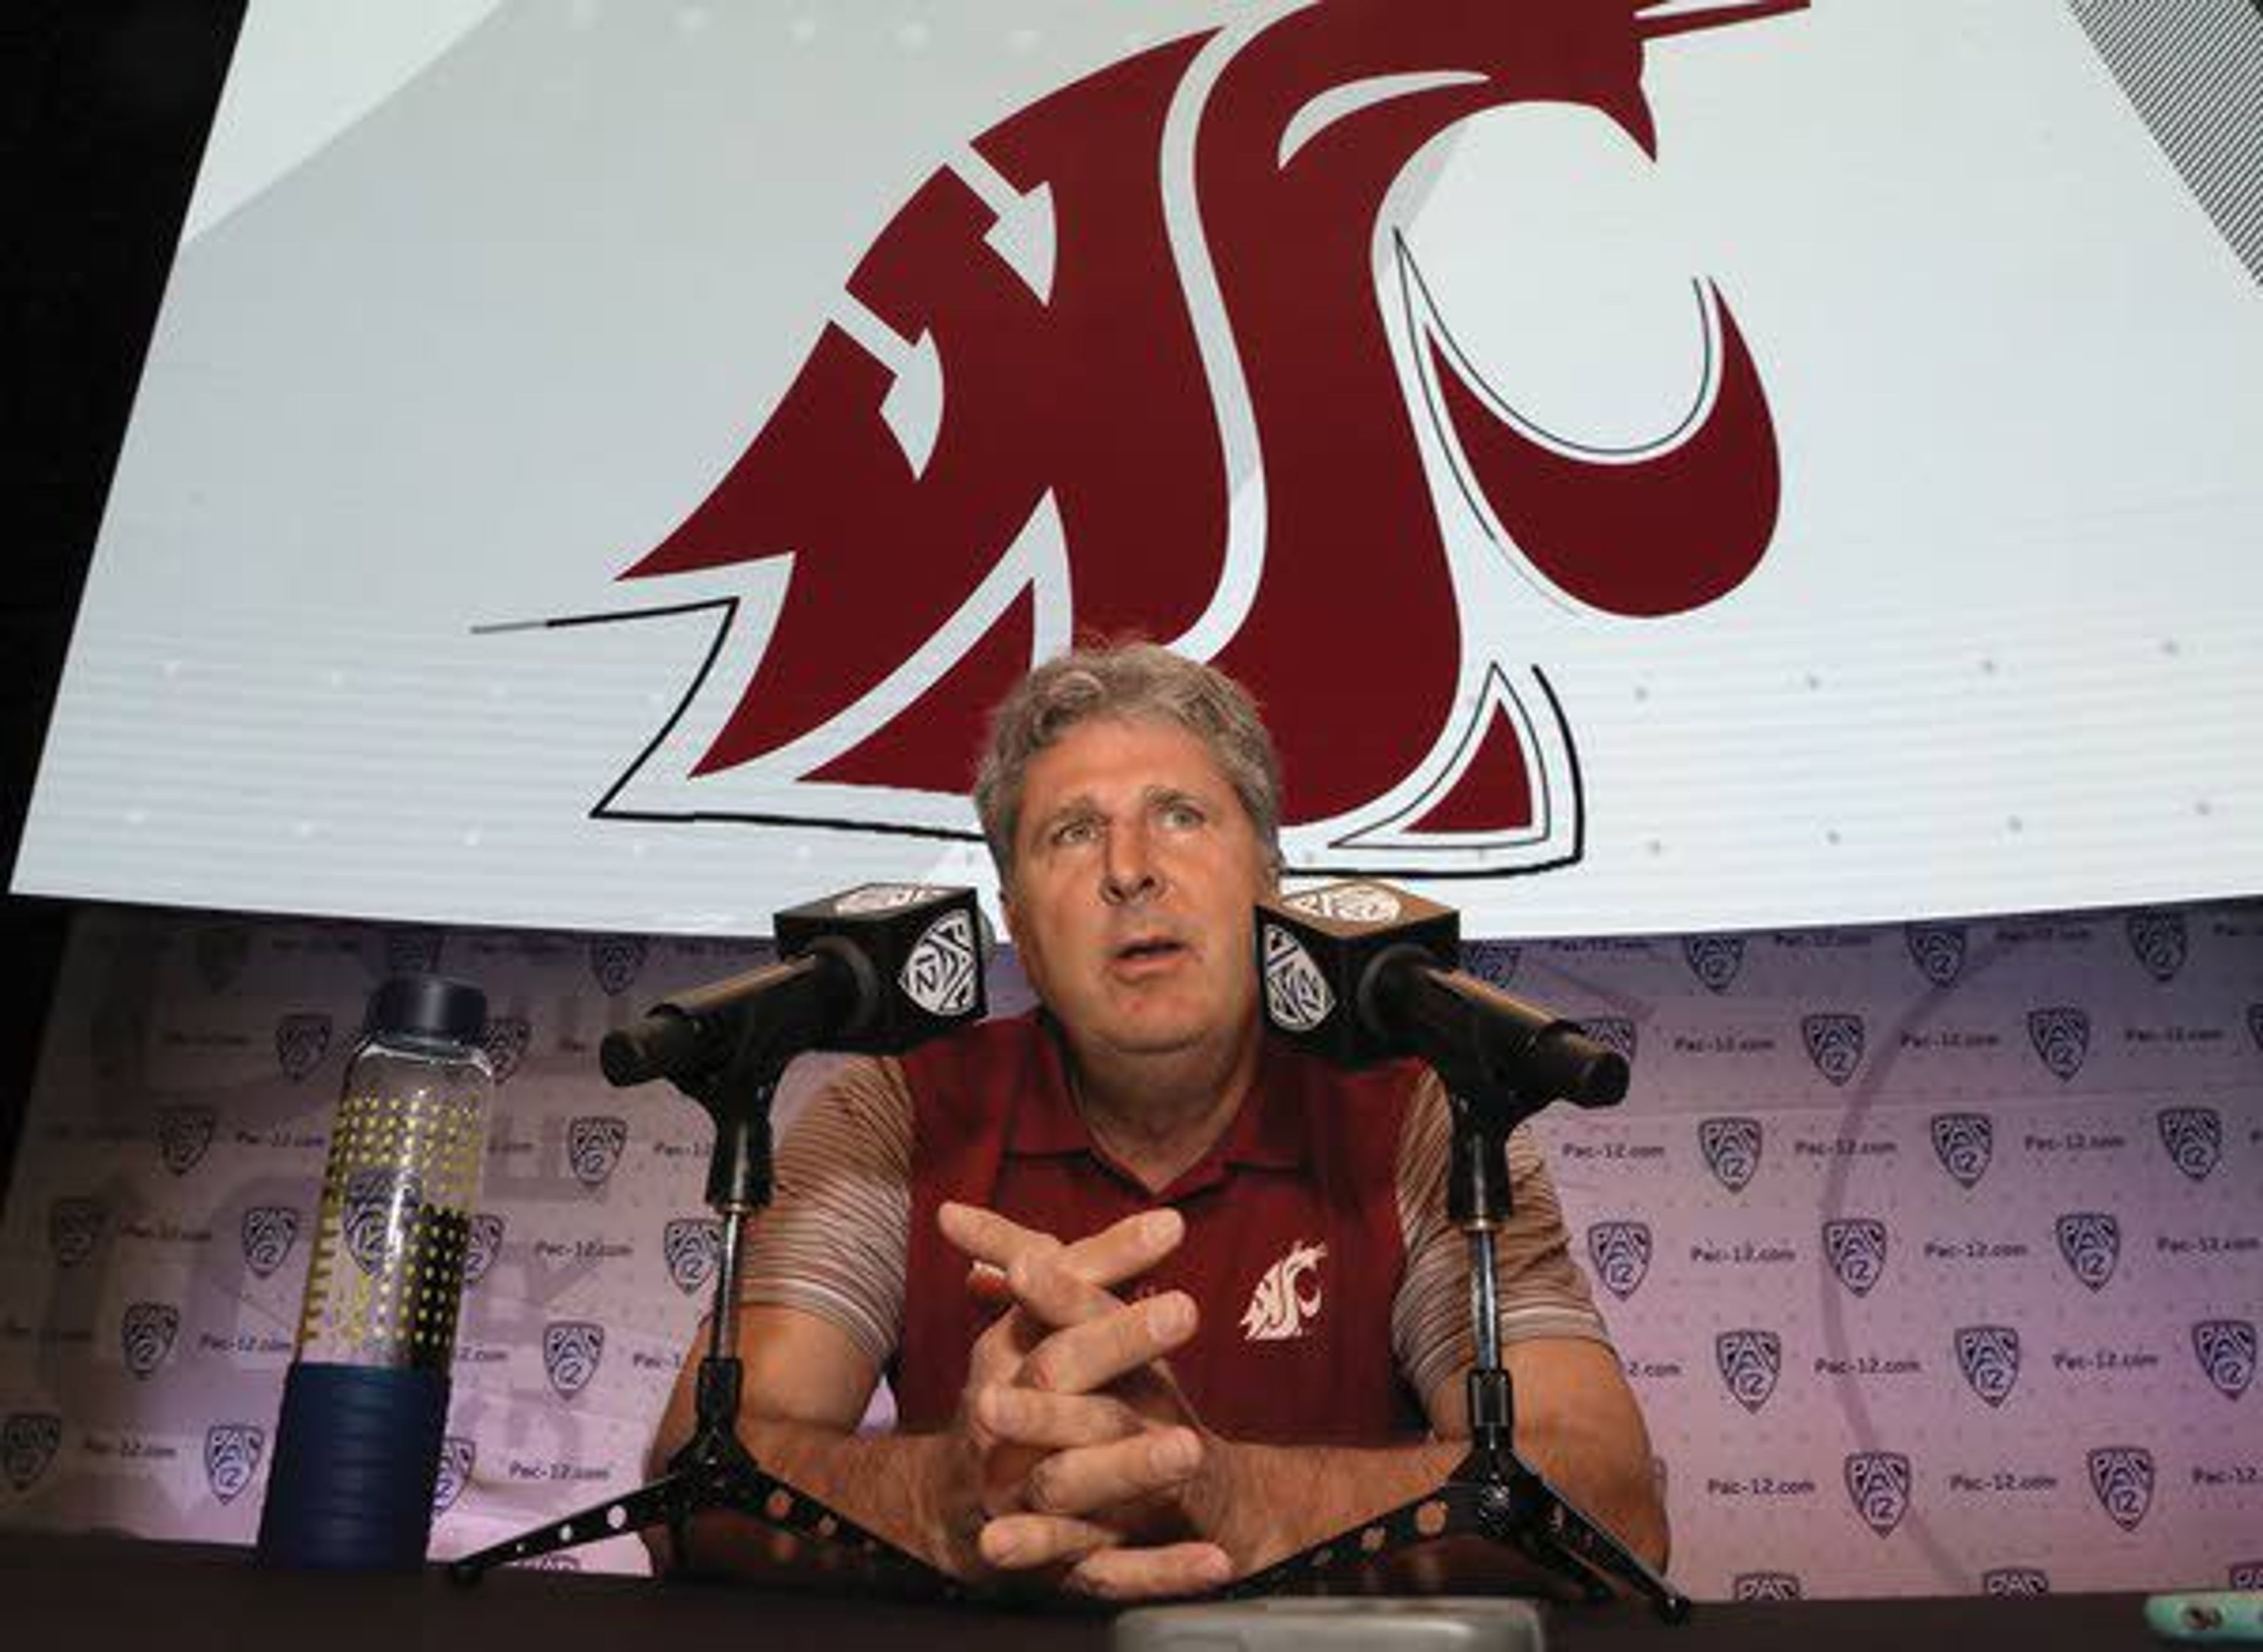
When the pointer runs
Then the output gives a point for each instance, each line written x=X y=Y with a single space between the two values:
x=1269 y=1132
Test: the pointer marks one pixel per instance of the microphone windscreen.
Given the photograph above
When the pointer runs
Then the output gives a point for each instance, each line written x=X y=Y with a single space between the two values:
x=1317 y=954
x=918 y=953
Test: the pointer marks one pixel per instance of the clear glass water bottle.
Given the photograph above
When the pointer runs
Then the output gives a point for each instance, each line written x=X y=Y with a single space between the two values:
x=365 y=1401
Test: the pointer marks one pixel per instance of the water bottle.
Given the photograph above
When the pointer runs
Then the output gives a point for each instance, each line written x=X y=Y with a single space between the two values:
x=365 y=1402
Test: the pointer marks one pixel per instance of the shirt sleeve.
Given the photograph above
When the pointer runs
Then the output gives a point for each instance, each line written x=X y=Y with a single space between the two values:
x=1540 y=1289
x=832 y=1241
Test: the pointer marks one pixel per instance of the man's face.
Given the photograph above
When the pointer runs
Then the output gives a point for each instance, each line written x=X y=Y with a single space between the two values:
x=1135 y=868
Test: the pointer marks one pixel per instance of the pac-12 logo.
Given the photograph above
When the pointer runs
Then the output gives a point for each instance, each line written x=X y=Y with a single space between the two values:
x=2193 y=1138
x=1749 y=1362
x=2015 y=1580
x=1620 y=1251
x=1878 y=1485
x=1989 y=1356
x=2090 y=1243
x=184 y=1135
x=1964 y=1143
x=2061 y=1036
x=458 y=1455
x=1834 y=1044
x=28 y=1440
x=482 y=1244
x=146 y=1331
x=1765 y=1586
x=2122 y=1479
x=572 y=1350
x=1937 y=949
x=1732 y=1149
x=1855 y=1247
x=232 y=1454
x=74 y=1228
x=2225 y=1349
x=1131 y=291
x=594 y=1145
x=301 y=1040
x=616 y=961
x=268 y=1232
x=691 y=1246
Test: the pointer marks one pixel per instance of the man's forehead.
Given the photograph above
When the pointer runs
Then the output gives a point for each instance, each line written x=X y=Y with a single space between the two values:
x=1112 y=761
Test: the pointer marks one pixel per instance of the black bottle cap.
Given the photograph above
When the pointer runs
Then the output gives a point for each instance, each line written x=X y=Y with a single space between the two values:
x=429 y=1006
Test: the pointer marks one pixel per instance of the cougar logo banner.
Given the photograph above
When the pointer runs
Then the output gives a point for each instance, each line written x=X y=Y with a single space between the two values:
x=1620 y=1251
x=382 y=1204
x=2122 y=1476
x=1282 y=1308
x=1856 y=1247
x=2015 y=1580
x=593 y=1147
x=182 y=1135
x=943 y=973
x=2157 y=939
x=506 y=1041
x=458 y=1455
x=1035 y=508
x=691 y=1246
x=1612 y=1032
x=2193 y=1138
x=616 y=961
x=1491 y=961
x=1989 y=1356
x=413 y=949
x=571 y=1350
x=1296 y=995
x=268 y=1232
x=1878 y=1485
x=1764 y=1586
x=2061 y=1037
x=1963 y=1142
x=1834 y=1044
x=1937 y=949
x=232 y=1454
x=482 y=1245
x=1714 y=959
x=301 y=1040
x=146 y=1333
x=2225 y=1349
x=1748 y=1362
x=1732 y=1148
x=74 y=1228
x=221 y=952
x=2091 y=1242
x=27 y=1445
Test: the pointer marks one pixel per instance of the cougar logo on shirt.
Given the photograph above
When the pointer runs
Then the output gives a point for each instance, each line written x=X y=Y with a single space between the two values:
x=1128 y=333
x=1288 y=1297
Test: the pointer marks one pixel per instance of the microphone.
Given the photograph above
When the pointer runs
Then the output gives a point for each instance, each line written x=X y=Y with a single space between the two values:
x=874 y=970
x=1361 y=972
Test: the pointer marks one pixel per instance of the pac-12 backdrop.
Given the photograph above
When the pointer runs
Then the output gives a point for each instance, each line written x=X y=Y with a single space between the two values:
x=1661 y=466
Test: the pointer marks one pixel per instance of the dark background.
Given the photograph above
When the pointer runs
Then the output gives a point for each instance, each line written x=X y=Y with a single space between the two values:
x=104 y=106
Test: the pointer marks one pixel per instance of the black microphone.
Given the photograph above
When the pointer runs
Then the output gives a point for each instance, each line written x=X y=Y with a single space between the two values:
x=874 y=970
x=1361 y=972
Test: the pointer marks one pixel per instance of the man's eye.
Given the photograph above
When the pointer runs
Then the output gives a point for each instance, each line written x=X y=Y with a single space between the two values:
x=1073 y=831
x=1183 y=816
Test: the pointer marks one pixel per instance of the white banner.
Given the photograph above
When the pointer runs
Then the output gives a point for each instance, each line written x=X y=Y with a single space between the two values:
x=1710 y=468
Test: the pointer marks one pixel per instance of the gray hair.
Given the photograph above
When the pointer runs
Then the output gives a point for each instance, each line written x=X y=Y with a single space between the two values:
x=1132 y=681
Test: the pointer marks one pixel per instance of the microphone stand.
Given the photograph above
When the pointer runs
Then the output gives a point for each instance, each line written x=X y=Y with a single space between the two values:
x=1492 y=1493
x=714 y=1469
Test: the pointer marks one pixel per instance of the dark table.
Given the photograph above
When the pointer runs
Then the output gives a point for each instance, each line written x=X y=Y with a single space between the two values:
x=97 y=1593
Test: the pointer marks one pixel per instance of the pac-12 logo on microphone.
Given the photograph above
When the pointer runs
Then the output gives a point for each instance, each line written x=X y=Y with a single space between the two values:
x=1296 y=995
x=1068 y=390
x=943 y=973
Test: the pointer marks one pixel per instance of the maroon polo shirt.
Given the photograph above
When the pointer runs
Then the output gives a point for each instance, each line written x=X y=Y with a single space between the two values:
x=1294 y=1248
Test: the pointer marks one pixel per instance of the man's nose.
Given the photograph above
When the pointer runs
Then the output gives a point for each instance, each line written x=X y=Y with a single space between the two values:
x=1128 y=873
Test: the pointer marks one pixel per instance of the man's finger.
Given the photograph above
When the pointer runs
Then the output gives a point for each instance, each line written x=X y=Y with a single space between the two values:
x=1089 y=1356
x=1121 y=1572
x=1029 y=1417
x=1121 y=1252
x=1023 y=1542
x=1086 y=1479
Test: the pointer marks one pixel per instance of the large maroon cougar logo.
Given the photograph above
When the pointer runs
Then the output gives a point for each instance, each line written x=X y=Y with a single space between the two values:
x=1078 y=478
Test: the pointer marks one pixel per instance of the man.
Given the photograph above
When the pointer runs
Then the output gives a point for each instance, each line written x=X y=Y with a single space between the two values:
x=1161 y=1300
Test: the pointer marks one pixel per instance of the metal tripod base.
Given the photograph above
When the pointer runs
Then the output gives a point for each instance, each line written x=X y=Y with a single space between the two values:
x=1496 y=1495
x=713 y=1473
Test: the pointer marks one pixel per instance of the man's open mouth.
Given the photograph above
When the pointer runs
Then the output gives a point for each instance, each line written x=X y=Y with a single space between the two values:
x=1148 y=948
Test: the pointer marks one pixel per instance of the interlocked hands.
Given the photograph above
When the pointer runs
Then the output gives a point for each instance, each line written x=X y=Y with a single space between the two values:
x=1082 y=1461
